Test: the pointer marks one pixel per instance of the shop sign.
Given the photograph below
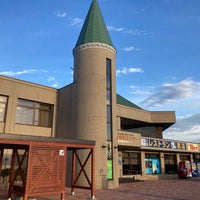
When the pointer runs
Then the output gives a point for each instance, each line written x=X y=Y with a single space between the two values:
x=164 y=144
x=192 y=147
x=126 y=138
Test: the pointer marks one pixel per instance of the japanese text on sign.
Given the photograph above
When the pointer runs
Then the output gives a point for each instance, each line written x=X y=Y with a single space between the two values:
x=155 y=143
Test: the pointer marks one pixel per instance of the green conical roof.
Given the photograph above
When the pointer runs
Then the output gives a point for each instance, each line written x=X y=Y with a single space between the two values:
x=94 y=28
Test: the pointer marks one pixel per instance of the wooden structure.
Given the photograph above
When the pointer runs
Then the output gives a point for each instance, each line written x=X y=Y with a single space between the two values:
x=38 y=165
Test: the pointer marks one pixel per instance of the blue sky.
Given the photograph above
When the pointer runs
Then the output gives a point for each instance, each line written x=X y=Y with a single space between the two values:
x=157 y=42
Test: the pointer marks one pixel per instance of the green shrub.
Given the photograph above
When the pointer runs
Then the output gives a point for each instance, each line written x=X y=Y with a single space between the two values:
x=5 y=173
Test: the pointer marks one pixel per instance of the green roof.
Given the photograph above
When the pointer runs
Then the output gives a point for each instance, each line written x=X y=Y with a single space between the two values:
x=94 y=28
x=122 y=101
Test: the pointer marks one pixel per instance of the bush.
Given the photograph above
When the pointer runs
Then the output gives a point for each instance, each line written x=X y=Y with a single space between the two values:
x=5 y=173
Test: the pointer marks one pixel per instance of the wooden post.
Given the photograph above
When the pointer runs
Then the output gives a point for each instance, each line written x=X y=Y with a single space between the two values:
x=73 y=171
x=1 y=158
x=92 y=174
x=62 y=196
x=11 y=177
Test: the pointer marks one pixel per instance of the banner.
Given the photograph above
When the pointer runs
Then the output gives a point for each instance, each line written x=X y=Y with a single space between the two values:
x=128 y=139
x=163 y=144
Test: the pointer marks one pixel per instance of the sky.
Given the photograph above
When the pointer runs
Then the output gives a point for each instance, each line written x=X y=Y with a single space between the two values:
x=157 y=43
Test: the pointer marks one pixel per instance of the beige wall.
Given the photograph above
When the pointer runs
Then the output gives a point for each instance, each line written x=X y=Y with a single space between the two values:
x=65 y=109
x=153 y=121
x=15 y=89
x=133 y=113
x=163 y=116
x=146 y=116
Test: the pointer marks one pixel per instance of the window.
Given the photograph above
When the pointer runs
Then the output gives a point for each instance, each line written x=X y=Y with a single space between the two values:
x=108 y=131
x=170 y=163
x=34 y=113
x=109 y=120
x=131 y=163
x=184 y=158
x=108 y=96
x=109 y=106
x=3 y=106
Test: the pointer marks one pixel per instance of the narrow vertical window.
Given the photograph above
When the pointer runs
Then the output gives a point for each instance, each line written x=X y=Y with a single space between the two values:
x=3 y=107
x=108 y=104
x=109 y=119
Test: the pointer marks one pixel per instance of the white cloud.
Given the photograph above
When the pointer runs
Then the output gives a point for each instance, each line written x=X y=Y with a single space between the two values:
x=186 y=129
x=61 y=14
x=171 y=92
x=140 y=90
x=125 y=70
x=131 y=48
x=112 y=28
x=191 y=135
x=53 y=81
x=50 y=78
x=72 y=21
x=75 y=21
x=55 y=85
x=136 y=32
x=12 y=73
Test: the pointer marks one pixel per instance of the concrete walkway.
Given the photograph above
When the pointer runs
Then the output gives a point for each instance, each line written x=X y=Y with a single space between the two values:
x=179 y=189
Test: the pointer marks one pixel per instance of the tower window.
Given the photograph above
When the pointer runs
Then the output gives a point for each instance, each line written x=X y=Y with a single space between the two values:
x=109 y=105
x=109 y=119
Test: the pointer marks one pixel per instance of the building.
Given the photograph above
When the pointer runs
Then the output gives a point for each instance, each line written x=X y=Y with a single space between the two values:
x=129 y=140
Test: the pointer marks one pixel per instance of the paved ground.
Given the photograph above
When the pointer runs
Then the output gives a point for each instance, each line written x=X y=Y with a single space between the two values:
x=180 y=189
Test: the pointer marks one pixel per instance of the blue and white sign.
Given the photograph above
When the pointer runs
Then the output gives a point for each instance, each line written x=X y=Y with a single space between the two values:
x=163 y=144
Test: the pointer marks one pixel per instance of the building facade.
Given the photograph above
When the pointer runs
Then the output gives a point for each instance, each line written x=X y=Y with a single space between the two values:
x=129 y=139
